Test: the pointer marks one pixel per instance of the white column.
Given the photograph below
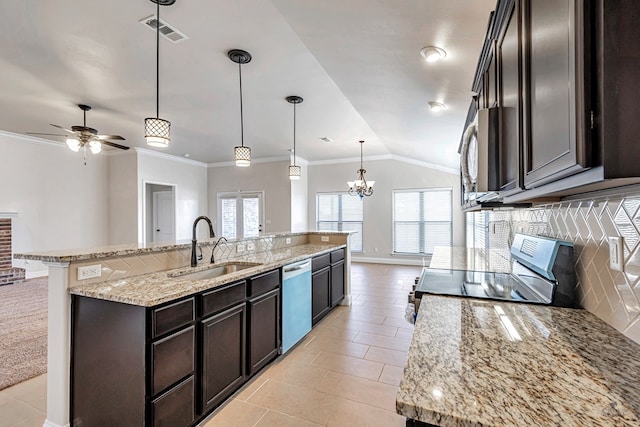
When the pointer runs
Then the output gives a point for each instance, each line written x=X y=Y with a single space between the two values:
x=59 y=346
x=347 y=273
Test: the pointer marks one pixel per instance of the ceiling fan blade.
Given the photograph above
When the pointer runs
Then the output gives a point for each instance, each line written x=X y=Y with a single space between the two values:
x=113 y=144
x=45 y=134
x=60 y=127
x=116 y=137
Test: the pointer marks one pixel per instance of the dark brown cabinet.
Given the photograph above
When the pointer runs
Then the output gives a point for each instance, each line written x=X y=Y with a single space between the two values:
x=327 y=283
x=172 y=364
x=223 y=355
x=320 y=293
x=264 y=329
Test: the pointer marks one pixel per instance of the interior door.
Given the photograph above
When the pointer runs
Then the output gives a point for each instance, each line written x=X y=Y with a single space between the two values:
x=163 y=216
x=240 y=214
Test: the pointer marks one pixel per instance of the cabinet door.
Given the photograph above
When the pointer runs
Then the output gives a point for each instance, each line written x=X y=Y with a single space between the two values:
x=552 y=148
x=223 y=355
x=337 y=283
x=264 y=330
x=509 y=50
x=320 y=294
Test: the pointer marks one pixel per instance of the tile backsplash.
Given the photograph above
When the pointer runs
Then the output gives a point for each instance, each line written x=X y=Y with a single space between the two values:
x=611 y=295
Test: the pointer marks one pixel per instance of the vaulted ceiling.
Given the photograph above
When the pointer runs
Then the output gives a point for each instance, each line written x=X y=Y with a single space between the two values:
x=356 y=63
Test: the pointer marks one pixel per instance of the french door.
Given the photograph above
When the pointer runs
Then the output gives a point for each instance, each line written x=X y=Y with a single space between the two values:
x=240 y=214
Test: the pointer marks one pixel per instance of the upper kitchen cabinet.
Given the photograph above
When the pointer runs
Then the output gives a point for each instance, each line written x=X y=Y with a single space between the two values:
x=563 y=76
x=557 y=139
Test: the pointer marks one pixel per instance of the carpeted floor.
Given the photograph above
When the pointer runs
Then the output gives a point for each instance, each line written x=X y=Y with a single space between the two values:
x=23 y=331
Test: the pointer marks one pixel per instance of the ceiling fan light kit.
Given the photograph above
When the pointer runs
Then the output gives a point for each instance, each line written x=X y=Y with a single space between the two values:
x=157 y=131
x=295 y=171
x=241 y=154
x=433 y=53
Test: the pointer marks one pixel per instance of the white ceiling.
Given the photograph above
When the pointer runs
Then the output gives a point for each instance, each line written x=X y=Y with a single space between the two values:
x=356 y=63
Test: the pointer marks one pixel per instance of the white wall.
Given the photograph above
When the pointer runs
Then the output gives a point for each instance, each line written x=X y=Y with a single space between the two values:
x=272 y=178
x=60 y=202
x=389 y=175
x=190 y=180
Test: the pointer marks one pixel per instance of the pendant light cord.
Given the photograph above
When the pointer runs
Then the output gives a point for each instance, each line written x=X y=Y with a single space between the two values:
x=361 y=142
x=158 y=61
x=241 y=115
x=294 y=134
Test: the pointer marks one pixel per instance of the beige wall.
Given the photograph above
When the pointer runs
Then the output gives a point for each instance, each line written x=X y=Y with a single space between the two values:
x=611 y=295
x=59 y=202
x=389 y=175
x=123 y=198
x=272 y=178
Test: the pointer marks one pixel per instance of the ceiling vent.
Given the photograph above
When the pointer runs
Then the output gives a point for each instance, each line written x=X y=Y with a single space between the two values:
x=166 y=30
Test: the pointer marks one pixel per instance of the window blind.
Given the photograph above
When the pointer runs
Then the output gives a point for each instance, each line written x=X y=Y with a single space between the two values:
x=340 y=212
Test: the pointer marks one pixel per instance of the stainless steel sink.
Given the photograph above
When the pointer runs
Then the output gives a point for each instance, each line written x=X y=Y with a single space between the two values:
x=216 y=270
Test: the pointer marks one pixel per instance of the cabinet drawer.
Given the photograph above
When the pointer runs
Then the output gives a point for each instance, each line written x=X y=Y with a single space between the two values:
x=175 y=408
x=320 y=262
x=223 y=297
x=337 y=256
x=172 y=317
x=263 y=283
x=172 y=359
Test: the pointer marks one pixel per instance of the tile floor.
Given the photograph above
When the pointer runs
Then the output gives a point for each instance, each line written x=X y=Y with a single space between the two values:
x=344 y=373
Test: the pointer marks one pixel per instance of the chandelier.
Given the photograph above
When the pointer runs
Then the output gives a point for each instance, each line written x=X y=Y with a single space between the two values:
x=360 y=187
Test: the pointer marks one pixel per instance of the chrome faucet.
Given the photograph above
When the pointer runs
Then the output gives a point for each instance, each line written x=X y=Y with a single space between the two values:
x=213 y=251
x=194 y=242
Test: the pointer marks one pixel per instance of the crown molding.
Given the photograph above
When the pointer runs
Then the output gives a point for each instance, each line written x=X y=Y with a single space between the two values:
x=32 y=139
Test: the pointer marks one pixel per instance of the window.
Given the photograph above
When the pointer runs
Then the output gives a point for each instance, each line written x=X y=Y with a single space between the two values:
x=340 y=212
x=240 y=214
x=421 y=220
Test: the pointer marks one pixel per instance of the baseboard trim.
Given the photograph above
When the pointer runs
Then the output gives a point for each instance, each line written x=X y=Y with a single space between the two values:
x=393 y=261
x=48 y=423
x=34 y=274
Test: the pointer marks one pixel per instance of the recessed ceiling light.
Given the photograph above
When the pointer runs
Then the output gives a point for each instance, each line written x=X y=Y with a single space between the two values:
x=433 y=53
x=325 y=139
x=187 y=155
x=437 y=106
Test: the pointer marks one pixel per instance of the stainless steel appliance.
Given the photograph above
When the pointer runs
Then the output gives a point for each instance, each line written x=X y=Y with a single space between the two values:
x=542 y=273
x=296 y=303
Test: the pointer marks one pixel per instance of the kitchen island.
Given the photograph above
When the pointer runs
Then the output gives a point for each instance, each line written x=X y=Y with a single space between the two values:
x=150 y=277
x=494 y=363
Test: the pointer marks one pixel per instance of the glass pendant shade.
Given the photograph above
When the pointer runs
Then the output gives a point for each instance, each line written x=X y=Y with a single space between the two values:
x=157 y=132
x=73 y=144
x=95 y=146
x=295 y=172
x=242 y=156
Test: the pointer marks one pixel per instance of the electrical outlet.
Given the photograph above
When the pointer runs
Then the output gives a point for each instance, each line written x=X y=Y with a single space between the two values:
x=324 y=238
x=241 y=247
x=89 y=271
x=616 y=253
x=287 y=241
x=251 y=246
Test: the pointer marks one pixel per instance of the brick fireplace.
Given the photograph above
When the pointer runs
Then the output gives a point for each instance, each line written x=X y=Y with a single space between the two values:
x=8 y=274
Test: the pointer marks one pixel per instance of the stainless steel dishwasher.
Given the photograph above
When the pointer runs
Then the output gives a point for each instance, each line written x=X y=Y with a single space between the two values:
x=296 y=302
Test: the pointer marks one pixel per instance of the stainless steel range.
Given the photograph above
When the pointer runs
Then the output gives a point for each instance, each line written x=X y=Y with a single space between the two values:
x=542 y=273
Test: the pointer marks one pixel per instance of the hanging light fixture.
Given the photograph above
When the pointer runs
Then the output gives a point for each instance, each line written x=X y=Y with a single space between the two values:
x=360 y=187
x=157 y=131
x=241 y=154
x=295 y=171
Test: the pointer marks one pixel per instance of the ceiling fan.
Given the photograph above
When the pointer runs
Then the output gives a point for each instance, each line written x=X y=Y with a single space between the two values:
x=83 y=136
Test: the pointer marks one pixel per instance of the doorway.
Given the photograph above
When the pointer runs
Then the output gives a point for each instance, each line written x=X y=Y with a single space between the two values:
x=240 y=214
x=160 y=223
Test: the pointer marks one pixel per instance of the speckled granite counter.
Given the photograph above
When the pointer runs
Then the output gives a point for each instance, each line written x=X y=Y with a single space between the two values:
x=155 y=288
x=481 y=362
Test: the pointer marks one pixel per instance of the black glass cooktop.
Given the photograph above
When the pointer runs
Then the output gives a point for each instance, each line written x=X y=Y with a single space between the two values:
x=479 y=284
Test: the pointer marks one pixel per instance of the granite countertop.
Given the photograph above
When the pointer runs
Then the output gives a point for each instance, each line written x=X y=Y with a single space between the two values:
x=69 y=255
x=155 y=288
x=493 y=363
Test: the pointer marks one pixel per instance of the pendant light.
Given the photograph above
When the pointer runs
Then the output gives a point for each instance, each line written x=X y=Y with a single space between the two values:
x=241 y=154
x=295 y=171
x=360 y=187
x=157 y=131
